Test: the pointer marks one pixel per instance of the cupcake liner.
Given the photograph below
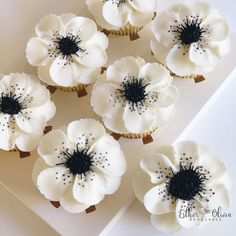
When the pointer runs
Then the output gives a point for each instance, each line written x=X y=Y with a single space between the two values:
x=130 y=30
x=146 y=137
x=80 y=89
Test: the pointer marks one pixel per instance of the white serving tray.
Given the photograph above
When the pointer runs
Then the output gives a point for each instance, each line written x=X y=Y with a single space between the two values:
x=15 y=173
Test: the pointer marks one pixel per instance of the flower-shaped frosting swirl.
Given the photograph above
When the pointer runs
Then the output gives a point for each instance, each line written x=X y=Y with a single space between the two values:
x=134 y=97
x=190 y=38
x=115 y=14
x=184 y=178
x=25 y=108
x=79 y=165
x=68 y=50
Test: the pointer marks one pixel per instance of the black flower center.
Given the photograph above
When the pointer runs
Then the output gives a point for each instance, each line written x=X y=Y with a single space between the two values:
x=69 y=45
x=9 y=104
x=190 y=31
x=134 y=91
x=187 y=183
x=79 y=162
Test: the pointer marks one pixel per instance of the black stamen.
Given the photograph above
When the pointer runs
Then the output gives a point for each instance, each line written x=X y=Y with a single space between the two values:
x=9 y=104
x=190 y=31
x=187 y=183
x=79 y=161
x=134 y=91
x=69 y=45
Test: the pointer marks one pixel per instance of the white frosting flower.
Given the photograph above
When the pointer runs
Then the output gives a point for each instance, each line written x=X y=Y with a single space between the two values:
x=78 y=166
x=68 y=50
x=116 y=14
x=184 y=178
x=134 y=97
x=190 y=38
x=25 y=108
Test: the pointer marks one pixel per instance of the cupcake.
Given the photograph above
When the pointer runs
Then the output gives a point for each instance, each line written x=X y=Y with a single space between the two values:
x=68 y=51
x=123 y=17
x=78 y=165
x=25 y=109
x=190 y=39
x=134 y=98
x=181 y=186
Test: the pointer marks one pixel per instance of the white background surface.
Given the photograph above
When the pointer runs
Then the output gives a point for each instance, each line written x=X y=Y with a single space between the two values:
x=216 y=129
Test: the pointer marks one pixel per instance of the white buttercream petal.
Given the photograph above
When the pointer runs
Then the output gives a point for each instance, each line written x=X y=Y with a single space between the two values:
x=213 y=166
x=159 y=50
x=195 y=213
x=166 y=223
x=161 y=28
x=217 y=195
x=85 y=132
x=136 y=122
x=6 y=133
x=99 y=39
x=200 y=8
x=90 y=188
x=108 y=157
x=44 y=74
x=113 y=184
x=123 y=68
x=167 y=96
x=70 y=204
x=116 y=15
x=186 y=152
x=158 y=201
x=28 y=142
x=168 y=151
x=66 y=17
x=37 y=52
x=147 y=7
x=17 y=83
x=94 y=56
x=82 y=27
x=49 y=26
x=116 y=123
x=64 y=74
x=30 y=123
x=158 y=167
x=219 y=30
x=52 y=146
x=178 y=61
x=48 y=110
x=203 y=57
x=54 y=182
x=139 y=19
x=141 y=185
x=37 y=95
x=103 y=100
x=156 y=74
x=38 y=167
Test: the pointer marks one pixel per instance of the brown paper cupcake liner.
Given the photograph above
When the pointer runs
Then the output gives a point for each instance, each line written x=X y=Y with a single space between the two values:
x=130 y=30
x=80 y=89
x=146 y=137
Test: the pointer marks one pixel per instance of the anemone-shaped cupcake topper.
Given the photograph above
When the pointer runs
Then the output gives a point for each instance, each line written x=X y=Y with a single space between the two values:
x=181 y=185
x=78 y=165
x=135 y=98
x=190 y=39
x=25 y=109
x=68 y=51
x=122 y=17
